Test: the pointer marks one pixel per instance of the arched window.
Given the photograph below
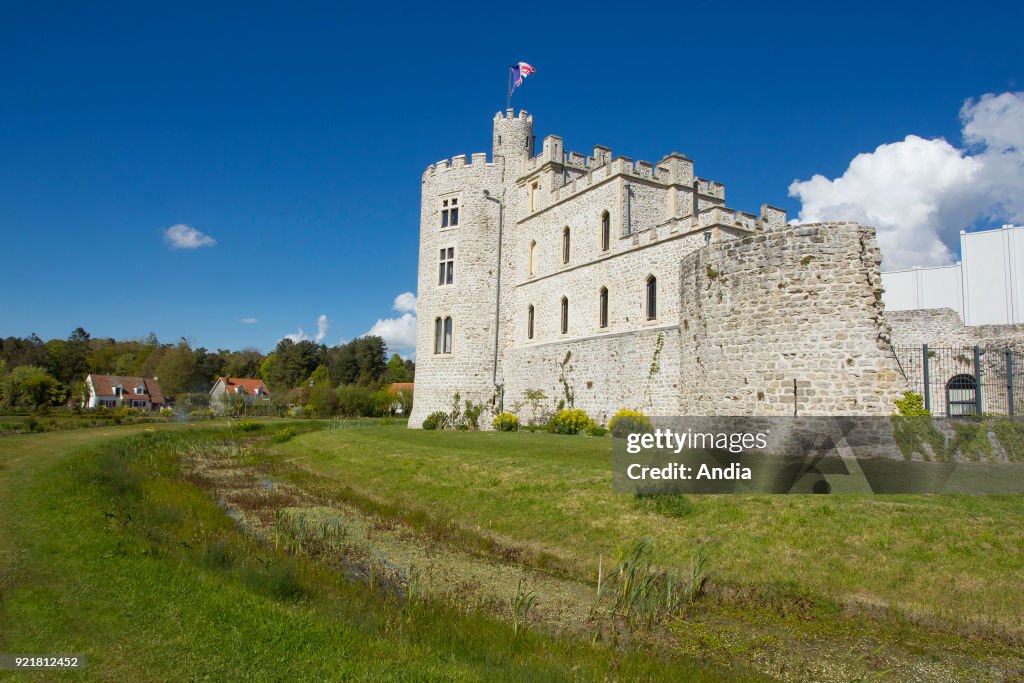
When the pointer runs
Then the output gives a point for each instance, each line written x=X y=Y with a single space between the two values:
x=529 y=322
x=565 y=245
x=652 y=297
x=606 y=231
x=603 y=308
x=565 y=315
x=961 y=396
x=533 y=257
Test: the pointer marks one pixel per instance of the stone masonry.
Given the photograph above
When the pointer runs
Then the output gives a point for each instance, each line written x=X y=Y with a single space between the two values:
x=788 y=303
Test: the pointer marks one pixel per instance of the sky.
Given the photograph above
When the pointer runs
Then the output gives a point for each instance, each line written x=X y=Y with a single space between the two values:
x=237 y=173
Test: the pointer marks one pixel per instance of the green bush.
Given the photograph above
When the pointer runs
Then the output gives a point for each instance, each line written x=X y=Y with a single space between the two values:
x=569 y=422
x=911 y=405
x=248 y=425
x=286 y=434
x=627 y=421
x=436 y=420
x=505 y=422
x=594 y=429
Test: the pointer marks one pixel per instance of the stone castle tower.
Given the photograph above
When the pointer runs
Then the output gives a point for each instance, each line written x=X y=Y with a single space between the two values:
x=609 y=283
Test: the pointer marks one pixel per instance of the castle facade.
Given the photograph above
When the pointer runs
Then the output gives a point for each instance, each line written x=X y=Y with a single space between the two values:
x=605 y=283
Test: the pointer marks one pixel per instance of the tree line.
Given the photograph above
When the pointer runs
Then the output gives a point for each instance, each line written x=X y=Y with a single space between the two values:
x=34 y=372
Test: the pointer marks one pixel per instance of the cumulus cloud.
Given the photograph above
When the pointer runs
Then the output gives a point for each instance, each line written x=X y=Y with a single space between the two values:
x=249 y=321
x=405 y=303
x=181 y=236
x=399 y=333
x=920 y=193
x=322 y=326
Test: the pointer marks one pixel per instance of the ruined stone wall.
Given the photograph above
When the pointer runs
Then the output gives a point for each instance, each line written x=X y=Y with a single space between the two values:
x=797 y=304
x=944 y=327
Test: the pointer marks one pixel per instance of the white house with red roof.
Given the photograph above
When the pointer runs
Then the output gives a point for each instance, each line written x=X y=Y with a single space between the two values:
x=225 y=389
x=118 y=391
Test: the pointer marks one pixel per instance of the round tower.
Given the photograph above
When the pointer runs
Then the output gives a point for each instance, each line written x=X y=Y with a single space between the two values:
x=513 y=139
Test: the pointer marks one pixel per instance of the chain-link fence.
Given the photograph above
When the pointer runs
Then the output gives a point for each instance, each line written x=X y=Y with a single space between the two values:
x=956 y=381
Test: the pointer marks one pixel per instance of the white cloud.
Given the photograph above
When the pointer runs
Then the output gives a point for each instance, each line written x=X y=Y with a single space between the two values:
x=322 y=326
x=399 y=333
x=249 y=321
x=181 y=236
x=920 y=193
x=405 y=303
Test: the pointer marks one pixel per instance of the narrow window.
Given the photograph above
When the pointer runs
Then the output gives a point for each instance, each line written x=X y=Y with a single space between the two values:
x=603 y=317
x=565 y=315
x=533 y=257
x=534 y=189
x=446 y=267
x=447 y=335
x=529 y=322
x=438 y=334
x=652 y=297
x=606 y=231
x=565 y=245
x=449 y=212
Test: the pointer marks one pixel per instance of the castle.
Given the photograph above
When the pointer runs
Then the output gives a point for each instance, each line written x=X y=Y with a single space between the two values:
x=606 y=283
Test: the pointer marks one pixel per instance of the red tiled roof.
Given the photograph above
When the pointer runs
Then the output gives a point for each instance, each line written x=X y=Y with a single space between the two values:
x=400 y=386
x=103 y=385
x=248 y=386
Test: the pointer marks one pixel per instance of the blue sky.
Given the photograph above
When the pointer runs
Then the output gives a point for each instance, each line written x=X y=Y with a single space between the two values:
x=295 y=136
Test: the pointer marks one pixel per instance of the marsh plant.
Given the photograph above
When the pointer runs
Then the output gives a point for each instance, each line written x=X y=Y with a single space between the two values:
x=645 y=594
x=522 y=603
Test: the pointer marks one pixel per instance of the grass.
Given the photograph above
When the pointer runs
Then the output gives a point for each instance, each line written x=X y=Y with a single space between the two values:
x=950 y=562
x=106 y=551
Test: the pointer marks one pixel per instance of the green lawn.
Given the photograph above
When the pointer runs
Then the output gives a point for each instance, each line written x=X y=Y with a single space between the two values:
x=952 y=562
x=106 y=551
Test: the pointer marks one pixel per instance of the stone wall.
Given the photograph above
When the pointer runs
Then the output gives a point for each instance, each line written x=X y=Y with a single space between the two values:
x=799 y=304
x=945 y=327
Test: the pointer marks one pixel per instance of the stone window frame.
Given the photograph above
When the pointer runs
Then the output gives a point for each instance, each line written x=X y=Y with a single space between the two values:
x=564 y=322
x=446 y=267
x=530 y=320
x=602 y=308
x=444 y=335
x=534 y=192
x=446 y=203
x=605 y=232
x=650 y=298
x=566 y=245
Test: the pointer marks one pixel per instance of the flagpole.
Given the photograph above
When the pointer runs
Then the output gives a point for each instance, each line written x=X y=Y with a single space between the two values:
x=508 y=92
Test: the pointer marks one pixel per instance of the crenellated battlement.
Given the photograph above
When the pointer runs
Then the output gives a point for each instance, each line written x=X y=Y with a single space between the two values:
x=477 y=160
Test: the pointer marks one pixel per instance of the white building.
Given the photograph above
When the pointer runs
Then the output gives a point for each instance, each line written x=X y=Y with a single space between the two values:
x=986 y=287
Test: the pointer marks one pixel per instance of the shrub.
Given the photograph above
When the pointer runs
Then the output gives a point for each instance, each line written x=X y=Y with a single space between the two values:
x=628 y=421
x=505 y=422
x=248 y=425
x=471 y=415
x=356 y=401
x=594 y=429
x=911 y=405
x=286 y=434
x=569 y=422
x=436 y=420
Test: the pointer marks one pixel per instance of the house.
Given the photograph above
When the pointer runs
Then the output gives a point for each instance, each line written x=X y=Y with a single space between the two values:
x=402 y=392
x=228 y=390
x=116 y=391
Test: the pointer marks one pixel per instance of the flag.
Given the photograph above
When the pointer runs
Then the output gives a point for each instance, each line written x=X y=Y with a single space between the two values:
x=519 y=72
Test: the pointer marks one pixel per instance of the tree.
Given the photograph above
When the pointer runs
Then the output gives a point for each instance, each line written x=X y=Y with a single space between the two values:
x=371 y=357
x=32 y=386
x=178 y=371
x=396 y=370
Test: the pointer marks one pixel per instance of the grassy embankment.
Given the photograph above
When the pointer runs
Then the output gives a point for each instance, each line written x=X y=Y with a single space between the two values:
x=106 y=551
x=950 y=563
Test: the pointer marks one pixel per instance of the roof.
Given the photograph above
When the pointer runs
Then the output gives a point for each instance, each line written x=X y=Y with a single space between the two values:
x=247 y=386
x=103 y=385
x=400 y=386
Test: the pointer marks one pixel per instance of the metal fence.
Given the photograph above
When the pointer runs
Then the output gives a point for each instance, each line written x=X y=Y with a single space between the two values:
x=958 y=381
